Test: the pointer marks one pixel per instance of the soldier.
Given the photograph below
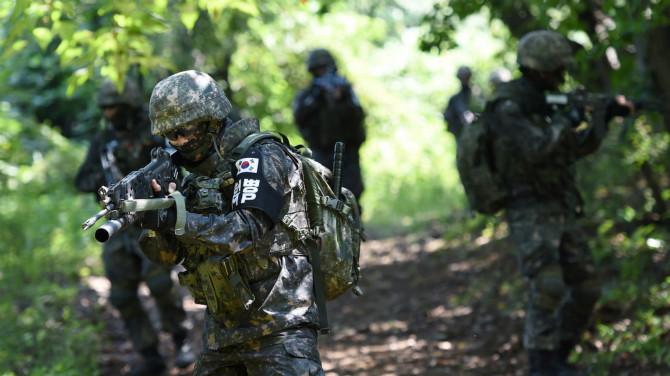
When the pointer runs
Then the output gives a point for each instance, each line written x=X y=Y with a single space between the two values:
x=535 y=149
x=120 y=148
x=462 y=106
x=328 y=111
x=499 y=76
x=240 y=257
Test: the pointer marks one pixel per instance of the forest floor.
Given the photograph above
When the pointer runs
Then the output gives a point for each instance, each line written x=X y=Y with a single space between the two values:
x=430 y=307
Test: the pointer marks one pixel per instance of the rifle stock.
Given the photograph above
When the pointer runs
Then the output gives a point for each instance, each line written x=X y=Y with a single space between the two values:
x=123 y=201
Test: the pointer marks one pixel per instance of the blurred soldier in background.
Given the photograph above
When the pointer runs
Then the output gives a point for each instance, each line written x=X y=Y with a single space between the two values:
x=328 y=111
x=123 y=146
x=499 y=76
x=535 y=148
x=463 y=106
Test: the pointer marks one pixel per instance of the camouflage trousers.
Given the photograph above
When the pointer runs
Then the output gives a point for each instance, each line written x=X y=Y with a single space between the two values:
x=291 y=352
x=554 y=256
x=125 y=267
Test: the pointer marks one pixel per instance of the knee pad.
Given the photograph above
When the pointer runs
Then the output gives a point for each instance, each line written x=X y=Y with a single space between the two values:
x=123 y=299
x=159 y=284
x=587 y=293
x=548 y=288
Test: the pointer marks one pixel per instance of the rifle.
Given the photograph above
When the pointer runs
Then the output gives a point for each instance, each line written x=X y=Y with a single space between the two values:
x=110 y=171
x=597 y=104
x=330 y=81
x=123 y=201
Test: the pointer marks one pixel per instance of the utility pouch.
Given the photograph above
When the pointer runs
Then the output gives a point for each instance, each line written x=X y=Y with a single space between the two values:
x=226 y=290
x=192 y=282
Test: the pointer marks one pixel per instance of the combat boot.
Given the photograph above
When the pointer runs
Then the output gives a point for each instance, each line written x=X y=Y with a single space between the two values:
x=184 y=355
x=541 y=363
x=152 y=364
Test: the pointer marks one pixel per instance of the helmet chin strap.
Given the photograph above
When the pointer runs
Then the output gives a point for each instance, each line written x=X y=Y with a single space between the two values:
x=213 y=135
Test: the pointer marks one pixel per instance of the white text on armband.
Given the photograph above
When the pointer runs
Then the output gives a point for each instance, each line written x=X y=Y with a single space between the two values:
x=245 y=190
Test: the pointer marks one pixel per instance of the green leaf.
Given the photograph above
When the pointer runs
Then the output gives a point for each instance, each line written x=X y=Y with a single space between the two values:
x=43 y=36
x=188 y=18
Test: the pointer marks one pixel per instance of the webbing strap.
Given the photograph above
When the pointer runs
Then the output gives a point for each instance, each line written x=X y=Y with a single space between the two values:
x=180 y=203
x=336 y=204
x=251 y=139
x=319 y=289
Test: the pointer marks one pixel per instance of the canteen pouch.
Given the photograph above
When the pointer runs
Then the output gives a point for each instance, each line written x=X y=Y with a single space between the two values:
x=226 y=290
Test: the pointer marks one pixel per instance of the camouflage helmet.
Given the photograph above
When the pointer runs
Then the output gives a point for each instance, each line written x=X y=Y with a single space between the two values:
x=186 y=97
x=544 y=51
x=319 y=57
x=108 y=94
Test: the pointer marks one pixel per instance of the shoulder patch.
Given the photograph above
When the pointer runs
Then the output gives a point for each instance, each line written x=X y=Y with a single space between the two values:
x=247 y=165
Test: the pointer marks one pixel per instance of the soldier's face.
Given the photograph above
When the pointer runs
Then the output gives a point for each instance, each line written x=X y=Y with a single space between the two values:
x=118 y=115
x=555 y=78
x=109 y=111
x=191 y=140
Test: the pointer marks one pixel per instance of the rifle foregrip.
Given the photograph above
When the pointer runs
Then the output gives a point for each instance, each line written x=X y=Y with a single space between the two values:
x=337 y=168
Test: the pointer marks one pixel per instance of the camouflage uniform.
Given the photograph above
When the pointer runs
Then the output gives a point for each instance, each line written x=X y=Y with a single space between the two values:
x=125 y=265
x=536 y=158
x=324 y=120
x=261 y=316
x=535 y=150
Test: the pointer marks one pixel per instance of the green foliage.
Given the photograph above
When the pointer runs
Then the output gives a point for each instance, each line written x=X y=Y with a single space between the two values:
x=44 y=254
x=55 y=52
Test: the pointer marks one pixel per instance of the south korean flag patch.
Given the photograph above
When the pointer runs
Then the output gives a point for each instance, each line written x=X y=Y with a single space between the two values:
x=249 y=165
x=251 y=189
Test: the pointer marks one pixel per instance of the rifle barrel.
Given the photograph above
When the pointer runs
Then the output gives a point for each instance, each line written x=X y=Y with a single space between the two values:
x=106 y=231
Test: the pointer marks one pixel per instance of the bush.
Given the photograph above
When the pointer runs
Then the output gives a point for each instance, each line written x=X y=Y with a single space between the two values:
x=44 y=254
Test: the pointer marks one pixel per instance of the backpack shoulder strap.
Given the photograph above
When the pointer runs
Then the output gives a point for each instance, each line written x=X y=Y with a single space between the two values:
x=250 y=140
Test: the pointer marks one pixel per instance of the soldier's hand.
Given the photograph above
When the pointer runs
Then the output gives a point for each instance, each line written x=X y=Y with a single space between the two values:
x=162 y=219
x=620 y=106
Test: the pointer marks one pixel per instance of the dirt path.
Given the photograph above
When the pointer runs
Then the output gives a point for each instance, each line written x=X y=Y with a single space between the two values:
x=429 y=308
x=413 y=318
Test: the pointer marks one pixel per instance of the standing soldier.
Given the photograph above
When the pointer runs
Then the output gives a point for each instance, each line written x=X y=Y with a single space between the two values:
x=328 y=111
x=499 y=76
x=463 y=106
x=535 y=149
x=238 y=246
x=114 y=152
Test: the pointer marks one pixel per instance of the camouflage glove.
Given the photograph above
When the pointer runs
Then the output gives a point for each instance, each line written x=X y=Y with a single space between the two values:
x=614 y=109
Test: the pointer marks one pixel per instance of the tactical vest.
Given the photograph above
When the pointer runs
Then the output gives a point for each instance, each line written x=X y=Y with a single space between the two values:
x=213 y=195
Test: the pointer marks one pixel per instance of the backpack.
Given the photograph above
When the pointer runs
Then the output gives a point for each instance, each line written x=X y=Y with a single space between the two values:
x=335 y=229
x=476 y=168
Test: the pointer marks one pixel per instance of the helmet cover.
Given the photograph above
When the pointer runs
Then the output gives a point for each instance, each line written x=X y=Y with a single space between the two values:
x=108 y=94
x=319 y=57
x=184 y=98
x=544 y=51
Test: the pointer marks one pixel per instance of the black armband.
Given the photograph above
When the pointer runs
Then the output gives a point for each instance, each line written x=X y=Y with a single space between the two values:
x=252 y=189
